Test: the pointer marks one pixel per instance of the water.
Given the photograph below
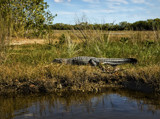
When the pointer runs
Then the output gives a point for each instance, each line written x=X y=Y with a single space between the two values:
x=108 y=105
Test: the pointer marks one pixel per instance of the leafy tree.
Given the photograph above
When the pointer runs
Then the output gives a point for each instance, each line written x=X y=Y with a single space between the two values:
x=140 y=25
x=123 y=25
x=156 y=24
x=27 y=15
x=105 y=26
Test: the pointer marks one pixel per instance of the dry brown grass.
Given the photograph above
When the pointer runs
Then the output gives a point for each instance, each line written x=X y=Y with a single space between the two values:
x=58 y=77
x=76 y=36
x=18 y=78
x=145 y=79
x=28 y=68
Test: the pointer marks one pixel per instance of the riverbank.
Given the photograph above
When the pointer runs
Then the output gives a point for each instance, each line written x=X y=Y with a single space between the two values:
x=52 y=78
x=28 y=68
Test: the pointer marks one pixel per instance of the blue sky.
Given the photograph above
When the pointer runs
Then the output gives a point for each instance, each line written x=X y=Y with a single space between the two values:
x=103 y=11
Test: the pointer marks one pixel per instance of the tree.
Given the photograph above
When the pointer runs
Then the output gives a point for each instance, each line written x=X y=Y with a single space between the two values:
x=5 y=29
x=27 y=15
x=156 y=24
x=123 y=25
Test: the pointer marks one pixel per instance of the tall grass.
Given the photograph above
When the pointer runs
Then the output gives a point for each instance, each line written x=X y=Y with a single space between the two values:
x=146 y=51
x=30 y=67
x=5 y=36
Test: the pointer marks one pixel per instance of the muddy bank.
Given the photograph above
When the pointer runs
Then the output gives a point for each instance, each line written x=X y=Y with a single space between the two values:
x=53 y=78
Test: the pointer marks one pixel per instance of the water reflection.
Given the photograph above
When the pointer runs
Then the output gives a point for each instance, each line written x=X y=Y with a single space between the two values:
x=111 y=104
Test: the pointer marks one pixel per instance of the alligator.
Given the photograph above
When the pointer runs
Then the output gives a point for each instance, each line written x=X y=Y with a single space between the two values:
x=93 y=61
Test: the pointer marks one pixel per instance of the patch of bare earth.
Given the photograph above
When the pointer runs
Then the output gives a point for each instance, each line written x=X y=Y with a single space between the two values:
x=23 y=41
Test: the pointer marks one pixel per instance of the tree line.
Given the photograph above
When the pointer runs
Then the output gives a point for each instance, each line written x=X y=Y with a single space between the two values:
x=150 y=24
x=32 y=18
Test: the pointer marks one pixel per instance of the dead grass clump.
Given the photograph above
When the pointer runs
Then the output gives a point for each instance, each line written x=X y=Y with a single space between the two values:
x=20 y=78
x=143 y=78
x=148 y=73
x=54 y=77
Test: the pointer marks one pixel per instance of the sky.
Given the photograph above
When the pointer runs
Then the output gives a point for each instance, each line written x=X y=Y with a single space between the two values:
x=103 y=11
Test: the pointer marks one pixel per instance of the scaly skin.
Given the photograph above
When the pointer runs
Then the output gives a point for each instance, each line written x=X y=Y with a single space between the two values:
x=93 y=61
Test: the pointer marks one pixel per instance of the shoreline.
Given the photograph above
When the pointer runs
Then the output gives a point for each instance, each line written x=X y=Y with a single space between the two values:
x=76 y=79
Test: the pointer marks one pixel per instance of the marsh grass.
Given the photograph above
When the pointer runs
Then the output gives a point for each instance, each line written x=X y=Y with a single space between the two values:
x=22 y=78
x=29 y=68
x=146 y=51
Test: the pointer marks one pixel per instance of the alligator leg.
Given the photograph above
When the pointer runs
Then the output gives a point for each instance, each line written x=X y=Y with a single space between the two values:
x=93 y=62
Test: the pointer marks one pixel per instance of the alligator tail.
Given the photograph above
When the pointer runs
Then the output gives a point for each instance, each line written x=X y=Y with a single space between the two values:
x=132 y=60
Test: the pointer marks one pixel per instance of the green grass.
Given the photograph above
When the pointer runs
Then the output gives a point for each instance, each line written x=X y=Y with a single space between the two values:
x=29 y=68
x=147 y=54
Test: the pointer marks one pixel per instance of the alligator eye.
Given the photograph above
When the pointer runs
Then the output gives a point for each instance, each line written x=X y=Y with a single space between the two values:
x=57 y=60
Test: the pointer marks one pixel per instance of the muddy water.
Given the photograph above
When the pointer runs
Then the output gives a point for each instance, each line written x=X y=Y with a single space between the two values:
x=108 y=105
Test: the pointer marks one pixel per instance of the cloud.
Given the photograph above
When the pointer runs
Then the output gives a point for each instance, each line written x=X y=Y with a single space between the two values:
x=149 y=3
x=65 y=13
x=58 y=0
x=138 y=1
x=91 y=1
x=97 y=11
x=62 y=0
x=118 y=1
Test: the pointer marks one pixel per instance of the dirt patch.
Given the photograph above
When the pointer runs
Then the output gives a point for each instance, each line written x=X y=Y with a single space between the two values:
x=27 y=41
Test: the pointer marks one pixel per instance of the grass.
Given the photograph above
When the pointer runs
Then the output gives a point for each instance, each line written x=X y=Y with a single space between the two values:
x=147 y=52
x=29 y=68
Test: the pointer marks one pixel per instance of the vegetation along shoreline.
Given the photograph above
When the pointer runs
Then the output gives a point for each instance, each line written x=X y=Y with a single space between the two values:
x=27 y=68
x=55 y=78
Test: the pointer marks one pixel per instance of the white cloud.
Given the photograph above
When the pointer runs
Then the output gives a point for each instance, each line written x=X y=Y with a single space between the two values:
x=58 y=0
x=118 y=1
x=138 y=1
x=62 y=0
x=107 y=1
x=97 y=11
x=149 y=3
x=91 y=1
x=65 y=13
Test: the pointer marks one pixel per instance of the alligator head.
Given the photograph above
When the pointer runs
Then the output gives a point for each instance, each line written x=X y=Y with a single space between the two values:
x=60 y=60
